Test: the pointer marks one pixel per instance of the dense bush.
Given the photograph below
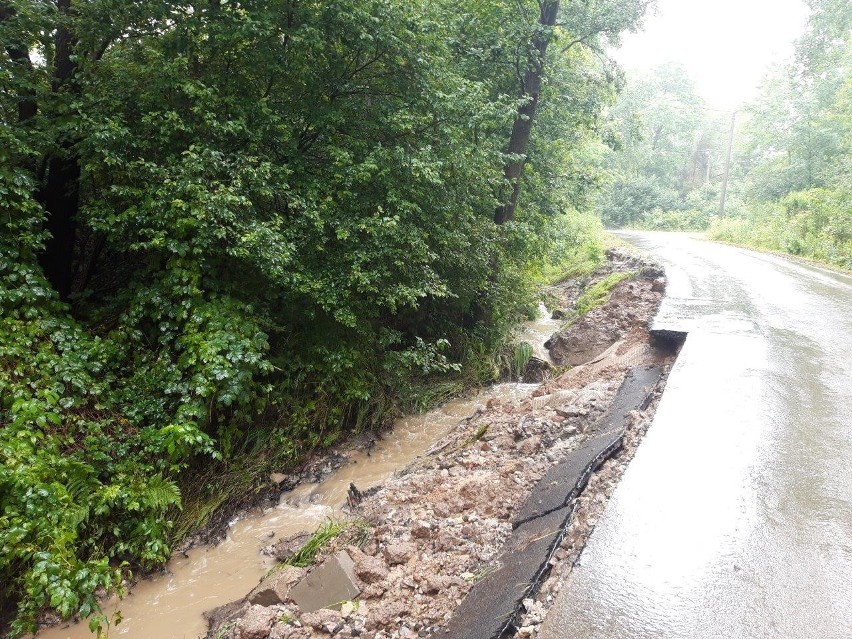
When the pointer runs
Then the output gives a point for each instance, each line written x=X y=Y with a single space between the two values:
x=677 y=220
x=644 y=203
x=816 y=224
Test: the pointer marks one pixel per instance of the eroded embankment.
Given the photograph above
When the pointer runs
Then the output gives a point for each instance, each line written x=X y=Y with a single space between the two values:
x=421 y=542
x=494 y=606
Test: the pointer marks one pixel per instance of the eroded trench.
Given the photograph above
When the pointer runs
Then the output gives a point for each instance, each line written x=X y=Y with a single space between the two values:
x=171 y=604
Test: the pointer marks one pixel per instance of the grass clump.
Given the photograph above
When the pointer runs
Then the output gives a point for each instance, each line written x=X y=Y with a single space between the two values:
x=479 y=434
x=516 y=358
x=306 y=555
x=223 y=631
x=598 y=294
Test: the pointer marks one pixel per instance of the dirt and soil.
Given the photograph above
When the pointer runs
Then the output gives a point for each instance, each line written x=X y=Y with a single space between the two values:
x=421 y=541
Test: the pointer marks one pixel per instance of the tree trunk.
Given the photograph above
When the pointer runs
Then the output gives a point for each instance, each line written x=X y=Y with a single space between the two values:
x=60 y=198
x=60 y=194
x=19 y=55
x=519 y=141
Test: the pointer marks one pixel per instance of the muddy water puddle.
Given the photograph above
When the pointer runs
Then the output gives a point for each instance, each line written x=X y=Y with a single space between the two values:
x=538 y=331
x=170 y=605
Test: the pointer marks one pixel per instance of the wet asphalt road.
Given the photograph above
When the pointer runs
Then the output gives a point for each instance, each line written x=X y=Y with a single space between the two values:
x=734 y=520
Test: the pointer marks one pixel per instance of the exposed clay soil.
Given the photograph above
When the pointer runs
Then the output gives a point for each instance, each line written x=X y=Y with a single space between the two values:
x=425 y=537
x=586 y=338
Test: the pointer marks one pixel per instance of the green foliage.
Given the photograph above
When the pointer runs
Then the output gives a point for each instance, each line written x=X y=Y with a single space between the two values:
x=521 y=354
x=816 y=224
x=792 y=161
x=577 y=248
x=678 y=220
x=82 y=485
x=628 y=201
x=666 y=155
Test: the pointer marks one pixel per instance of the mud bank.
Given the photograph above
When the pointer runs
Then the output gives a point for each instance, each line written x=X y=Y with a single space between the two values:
x=419 y=543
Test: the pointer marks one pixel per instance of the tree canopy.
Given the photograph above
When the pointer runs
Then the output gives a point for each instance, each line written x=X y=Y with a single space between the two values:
x=668 y=153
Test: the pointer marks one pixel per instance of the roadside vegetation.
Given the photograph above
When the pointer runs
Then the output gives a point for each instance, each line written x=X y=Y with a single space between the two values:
x=794 y=153
x=790 y=185
x=598 y=294
x=321 y=537
x=231 y=232
x=815 y=224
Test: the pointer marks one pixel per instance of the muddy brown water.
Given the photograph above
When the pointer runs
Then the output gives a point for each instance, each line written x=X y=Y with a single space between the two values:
x=541 y=327
x=170 y=605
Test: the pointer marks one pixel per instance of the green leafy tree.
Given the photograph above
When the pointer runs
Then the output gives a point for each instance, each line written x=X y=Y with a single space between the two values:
x=667 y=152
x=565 y=25
x=793 y=153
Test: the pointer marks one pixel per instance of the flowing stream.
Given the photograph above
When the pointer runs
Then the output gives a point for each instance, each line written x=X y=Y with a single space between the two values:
x=170 y=604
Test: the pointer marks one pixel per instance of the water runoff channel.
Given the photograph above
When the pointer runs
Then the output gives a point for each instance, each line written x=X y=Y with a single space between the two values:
x=170 y=604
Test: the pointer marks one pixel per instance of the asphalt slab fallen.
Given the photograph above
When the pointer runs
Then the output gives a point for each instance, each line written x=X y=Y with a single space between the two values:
x=490 y=609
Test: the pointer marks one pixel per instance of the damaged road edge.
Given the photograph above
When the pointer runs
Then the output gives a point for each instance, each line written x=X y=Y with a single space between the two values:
x=494 y=606
x=437 y=529
x=511 y=628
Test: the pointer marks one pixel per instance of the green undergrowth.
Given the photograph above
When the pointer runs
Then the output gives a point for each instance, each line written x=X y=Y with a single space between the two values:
x=223 y=631
x=579 y=250
x=126 y=432
x=214 y=264
x=215 y=490
x=814 y=224
x=522 y=353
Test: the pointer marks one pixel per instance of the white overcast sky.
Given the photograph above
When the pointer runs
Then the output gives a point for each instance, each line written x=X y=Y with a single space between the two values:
x=726 y=45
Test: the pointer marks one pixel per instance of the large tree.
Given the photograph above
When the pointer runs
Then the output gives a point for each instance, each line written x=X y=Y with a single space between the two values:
x=585 y=23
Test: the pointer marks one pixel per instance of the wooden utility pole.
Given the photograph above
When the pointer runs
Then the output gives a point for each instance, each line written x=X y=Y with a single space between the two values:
x=727 y=166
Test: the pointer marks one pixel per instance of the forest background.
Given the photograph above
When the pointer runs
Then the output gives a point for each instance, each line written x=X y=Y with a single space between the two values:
x=789 y=185
x=232 y=232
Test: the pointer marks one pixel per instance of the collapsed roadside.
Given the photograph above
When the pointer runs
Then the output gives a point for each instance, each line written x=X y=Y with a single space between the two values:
x=415 y=547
